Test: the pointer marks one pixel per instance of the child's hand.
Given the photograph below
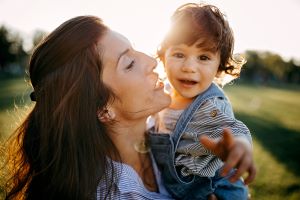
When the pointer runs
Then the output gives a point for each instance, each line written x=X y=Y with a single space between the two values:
x=236 y=152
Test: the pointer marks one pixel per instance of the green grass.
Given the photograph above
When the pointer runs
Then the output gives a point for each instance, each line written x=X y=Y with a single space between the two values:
x=13 y=108
x=14 y=96
x=272 y=115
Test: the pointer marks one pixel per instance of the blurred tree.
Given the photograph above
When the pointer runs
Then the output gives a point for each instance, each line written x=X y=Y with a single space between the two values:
x=16 y=48
x=266 y=67
x=293 y=75
x=254 y=69
x=6 y=56
x=13 y=57
x=37 y=37
x=275 y=64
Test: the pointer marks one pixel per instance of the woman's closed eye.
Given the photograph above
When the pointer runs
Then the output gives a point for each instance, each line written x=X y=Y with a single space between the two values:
x=130 y=65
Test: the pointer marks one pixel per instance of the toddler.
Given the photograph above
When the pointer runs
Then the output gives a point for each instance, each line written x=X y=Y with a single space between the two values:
x=196 y=53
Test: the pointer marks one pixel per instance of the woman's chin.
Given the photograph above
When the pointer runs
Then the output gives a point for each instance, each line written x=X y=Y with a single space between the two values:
x=164 y=101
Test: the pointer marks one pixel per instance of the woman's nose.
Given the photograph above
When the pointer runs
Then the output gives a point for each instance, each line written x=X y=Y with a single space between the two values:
x=152 y=63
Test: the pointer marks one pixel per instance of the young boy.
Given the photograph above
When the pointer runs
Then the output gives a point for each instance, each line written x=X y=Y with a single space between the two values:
x=197 y=50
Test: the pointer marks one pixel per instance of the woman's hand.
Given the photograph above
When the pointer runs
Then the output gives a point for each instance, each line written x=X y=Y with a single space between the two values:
x=236 y=152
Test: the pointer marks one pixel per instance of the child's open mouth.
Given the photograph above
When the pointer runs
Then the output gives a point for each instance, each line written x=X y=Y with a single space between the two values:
x=188 y=82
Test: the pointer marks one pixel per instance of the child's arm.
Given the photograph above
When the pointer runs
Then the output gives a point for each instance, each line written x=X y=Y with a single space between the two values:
x=235 y=151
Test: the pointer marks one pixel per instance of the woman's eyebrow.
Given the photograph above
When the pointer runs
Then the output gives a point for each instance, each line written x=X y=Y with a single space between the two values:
x=121 y=54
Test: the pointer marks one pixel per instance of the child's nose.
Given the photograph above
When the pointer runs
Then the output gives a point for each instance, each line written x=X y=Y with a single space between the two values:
x=189 y=65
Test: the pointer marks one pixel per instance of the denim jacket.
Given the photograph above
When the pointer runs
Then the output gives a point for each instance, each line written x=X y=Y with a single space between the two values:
x=180 y=156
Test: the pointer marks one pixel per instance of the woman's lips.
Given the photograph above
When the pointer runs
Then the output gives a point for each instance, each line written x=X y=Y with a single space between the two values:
x=159 y=85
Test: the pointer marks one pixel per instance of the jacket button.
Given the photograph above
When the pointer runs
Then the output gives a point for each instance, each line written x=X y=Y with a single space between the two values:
x=213 y=113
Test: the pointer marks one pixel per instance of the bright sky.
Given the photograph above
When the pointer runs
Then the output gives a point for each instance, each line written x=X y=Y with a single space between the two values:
x=271 y=25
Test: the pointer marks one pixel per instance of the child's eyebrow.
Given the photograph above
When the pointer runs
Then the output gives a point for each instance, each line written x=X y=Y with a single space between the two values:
x=176 y=48
x=205 y=50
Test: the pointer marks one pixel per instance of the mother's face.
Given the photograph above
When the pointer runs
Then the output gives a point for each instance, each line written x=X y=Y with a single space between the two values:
x=130 y=75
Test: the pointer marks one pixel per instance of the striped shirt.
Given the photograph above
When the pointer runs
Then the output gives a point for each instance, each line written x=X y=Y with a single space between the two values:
x=210 y=119
x=130 y=186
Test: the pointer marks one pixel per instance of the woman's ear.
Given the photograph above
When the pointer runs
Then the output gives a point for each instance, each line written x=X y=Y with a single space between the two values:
x=106 y=115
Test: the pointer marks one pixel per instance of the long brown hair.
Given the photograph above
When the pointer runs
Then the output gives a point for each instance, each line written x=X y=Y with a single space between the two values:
x=60 y=149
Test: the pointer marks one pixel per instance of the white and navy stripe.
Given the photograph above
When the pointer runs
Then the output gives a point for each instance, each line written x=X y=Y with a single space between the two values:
x=128 y=185
x=210 y=119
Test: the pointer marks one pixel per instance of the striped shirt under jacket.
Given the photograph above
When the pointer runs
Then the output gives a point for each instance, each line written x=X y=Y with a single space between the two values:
x=210 y=119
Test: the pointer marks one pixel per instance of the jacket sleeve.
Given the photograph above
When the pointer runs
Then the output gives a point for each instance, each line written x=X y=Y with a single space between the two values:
x=210 y=119
x=238 y=127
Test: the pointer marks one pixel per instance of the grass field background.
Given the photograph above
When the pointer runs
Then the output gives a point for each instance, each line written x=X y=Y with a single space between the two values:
x=271 y=113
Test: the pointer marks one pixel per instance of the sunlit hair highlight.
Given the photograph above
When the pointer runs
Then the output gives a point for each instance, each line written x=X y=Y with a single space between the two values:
x=207 y=27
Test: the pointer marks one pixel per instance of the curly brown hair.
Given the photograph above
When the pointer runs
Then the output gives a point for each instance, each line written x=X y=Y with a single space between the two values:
x=206 y=25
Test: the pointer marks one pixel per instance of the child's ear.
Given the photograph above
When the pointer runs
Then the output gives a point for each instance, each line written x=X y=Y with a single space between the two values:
x=219 y=73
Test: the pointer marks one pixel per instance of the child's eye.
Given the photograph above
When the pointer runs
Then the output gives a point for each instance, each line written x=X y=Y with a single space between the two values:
x=128 y=67
x=203 y=57
x=178 y=55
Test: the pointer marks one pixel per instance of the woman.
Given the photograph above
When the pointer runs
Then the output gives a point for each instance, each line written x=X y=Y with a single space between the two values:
x=93 y=93
x=85 y=137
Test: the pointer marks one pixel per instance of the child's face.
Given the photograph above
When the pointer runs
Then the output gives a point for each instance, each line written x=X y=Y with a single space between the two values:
x=190 y=69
